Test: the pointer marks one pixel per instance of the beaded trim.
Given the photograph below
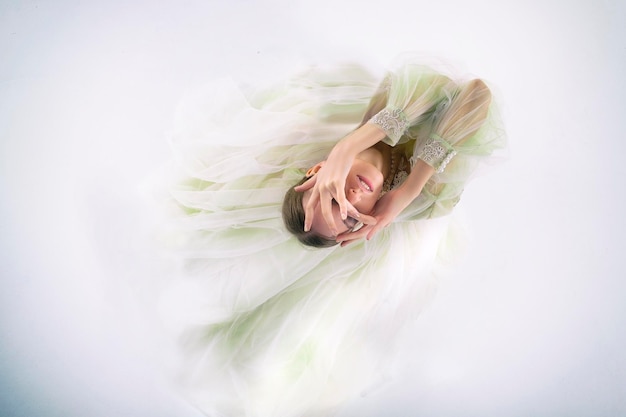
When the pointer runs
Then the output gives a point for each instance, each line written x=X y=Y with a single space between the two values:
x=398 y=171
x=437 y=153
x=393 y=122
x=446 y=161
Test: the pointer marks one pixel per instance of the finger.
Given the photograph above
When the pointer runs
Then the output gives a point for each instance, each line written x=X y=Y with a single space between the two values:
x=363 y=218
x=348 y=236
x=326 y=204
x=375 y=230
x=355 y=214
x=352 y=211
x=350 y=241
x=343 y=203
x=306 y=185
x=309 y=211
x=367 y=219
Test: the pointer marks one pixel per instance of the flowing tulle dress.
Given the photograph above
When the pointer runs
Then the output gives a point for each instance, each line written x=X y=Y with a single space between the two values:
x=265 y=326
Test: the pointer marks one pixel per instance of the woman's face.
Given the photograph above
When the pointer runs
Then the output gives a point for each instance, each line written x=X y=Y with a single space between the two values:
x=364 y=184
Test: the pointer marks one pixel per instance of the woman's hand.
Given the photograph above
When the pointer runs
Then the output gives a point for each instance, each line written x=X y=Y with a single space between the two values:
x=328 y=184
x=391 y=204
x=385 y=211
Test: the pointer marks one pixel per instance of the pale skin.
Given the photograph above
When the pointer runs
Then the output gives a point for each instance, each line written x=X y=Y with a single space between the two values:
x=352 y=176
x=355 y=156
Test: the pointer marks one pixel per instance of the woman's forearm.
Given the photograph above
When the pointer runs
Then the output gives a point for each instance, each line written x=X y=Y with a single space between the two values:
x=413 y=185
x=359 y=140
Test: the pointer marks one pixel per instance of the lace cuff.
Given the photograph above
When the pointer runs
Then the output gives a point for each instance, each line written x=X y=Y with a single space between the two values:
x=437 y=153
x=393 y=122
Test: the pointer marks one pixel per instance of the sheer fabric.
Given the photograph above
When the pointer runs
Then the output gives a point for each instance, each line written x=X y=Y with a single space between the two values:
x=265 y=326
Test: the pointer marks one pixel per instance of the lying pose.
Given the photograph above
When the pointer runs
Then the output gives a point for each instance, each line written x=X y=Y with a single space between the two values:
x=266 y=326
x=377 y=171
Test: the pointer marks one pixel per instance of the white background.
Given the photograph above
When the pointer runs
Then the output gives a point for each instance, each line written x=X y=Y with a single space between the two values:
x=531 y=323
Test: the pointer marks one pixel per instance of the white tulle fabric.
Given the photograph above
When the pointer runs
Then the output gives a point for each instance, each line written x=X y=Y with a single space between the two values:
x=267 y=327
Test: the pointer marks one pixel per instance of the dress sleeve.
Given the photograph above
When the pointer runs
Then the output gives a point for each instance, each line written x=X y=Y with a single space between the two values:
x=413 y=92
x=457 y=119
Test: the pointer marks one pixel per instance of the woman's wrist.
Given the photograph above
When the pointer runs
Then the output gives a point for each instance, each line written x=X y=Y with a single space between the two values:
x=361 y=139
x=406 y=194
x=411 y=188
x=345 y=148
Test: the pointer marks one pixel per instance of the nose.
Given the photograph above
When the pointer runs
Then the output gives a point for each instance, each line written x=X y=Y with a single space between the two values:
x=354 y=195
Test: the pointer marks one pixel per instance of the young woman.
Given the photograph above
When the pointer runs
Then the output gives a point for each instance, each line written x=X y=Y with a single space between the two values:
x=267 y=326
x=364 y=165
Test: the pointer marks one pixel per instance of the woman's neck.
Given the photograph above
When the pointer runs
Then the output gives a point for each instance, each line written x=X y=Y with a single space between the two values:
x=378 y=155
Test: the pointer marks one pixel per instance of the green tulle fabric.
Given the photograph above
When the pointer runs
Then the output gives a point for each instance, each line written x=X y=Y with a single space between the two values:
x=265 y=326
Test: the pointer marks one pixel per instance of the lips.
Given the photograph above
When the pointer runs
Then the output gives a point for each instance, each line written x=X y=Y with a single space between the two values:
x=365 y=184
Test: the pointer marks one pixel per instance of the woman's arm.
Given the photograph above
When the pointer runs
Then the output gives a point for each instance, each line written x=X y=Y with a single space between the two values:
x=329 y=183
x=403 y=100
x=457 y=122
x=392 y=203
x=345 y=151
